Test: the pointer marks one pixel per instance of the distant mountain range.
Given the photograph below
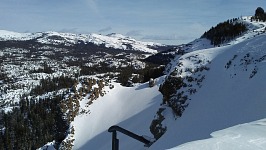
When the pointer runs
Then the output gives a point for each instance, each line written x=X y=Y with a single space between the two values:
x=115 y=41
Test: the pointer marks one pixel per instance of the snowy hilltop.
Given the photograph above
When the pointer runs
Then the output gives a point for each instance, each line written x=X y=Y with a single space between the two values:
x=221 y=87
x=115 y=41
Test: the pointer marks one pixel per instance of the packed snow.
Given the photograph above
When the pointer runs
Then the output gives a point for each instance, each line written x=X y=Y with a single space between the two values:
x=240 y=137
x=48 y=146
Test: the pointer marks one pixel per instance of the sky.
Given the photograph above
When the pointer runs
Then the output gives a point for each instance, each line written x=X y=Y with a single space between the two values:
x=164 y=21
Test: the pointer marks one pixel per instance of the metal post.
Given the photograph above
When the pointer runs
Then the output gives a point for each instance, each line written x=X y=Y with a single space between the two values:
x=115 y=141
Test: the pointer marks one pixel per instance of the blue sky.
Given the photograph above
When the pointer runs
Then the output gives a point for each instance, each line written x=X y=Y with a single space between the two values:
x=164 y=21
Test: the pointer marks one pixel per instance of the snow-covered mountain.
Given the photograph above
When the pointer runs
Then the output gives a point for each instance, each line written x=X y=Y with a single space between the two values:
x=223 y=86
x=206 y=95
x=229 y=93
x=115 y=41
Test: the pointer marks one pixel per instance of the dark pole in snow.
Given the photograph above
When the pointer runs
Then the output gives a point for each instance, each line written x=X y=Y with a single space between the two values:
x=115 y=141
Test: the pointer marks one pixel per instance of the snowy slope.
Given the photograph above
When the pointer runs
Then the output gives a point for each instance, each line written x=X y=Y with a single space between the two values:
x=129 y=107
x=232 y=91
x=116 y=41
x=9 y=35
x=119 y=41
x=241 y=137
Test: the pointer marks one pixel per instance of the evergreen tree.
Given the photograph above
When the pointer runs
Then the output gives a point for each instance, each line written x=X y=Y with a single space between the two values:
x=33 y=124
x=259 y=12
x=225 y=32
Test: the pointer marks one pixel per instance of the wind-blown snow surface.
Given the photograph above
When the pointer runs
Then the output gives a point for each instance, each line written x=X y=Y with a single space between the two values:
x=241 y=137
x=232 y=93
x=129 y=107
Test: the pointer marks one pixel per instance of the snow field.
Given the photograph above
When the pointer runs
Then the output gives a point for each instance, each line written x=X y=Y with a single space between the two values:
x=129 y=107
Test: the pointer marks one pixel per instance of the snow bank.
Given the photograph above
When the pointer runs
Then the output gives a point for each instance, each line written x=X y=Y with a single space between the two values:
x=241 y=137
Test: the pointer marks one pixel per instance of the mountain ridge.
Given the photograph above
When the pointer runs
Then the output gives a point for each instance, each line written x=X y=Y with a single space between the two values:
x=218 y=95
x=113 y=40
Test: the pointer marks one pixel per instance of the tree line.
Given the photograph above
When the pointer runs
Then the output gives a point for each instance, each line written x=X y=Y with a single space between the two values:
x=33 y=124
x=224 y=32
x=260 y=15
x=53 y=84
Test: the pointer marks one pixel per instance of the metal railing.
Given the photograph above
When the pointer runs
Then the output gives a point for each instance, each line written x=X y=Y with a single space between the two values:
x=115 y=141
